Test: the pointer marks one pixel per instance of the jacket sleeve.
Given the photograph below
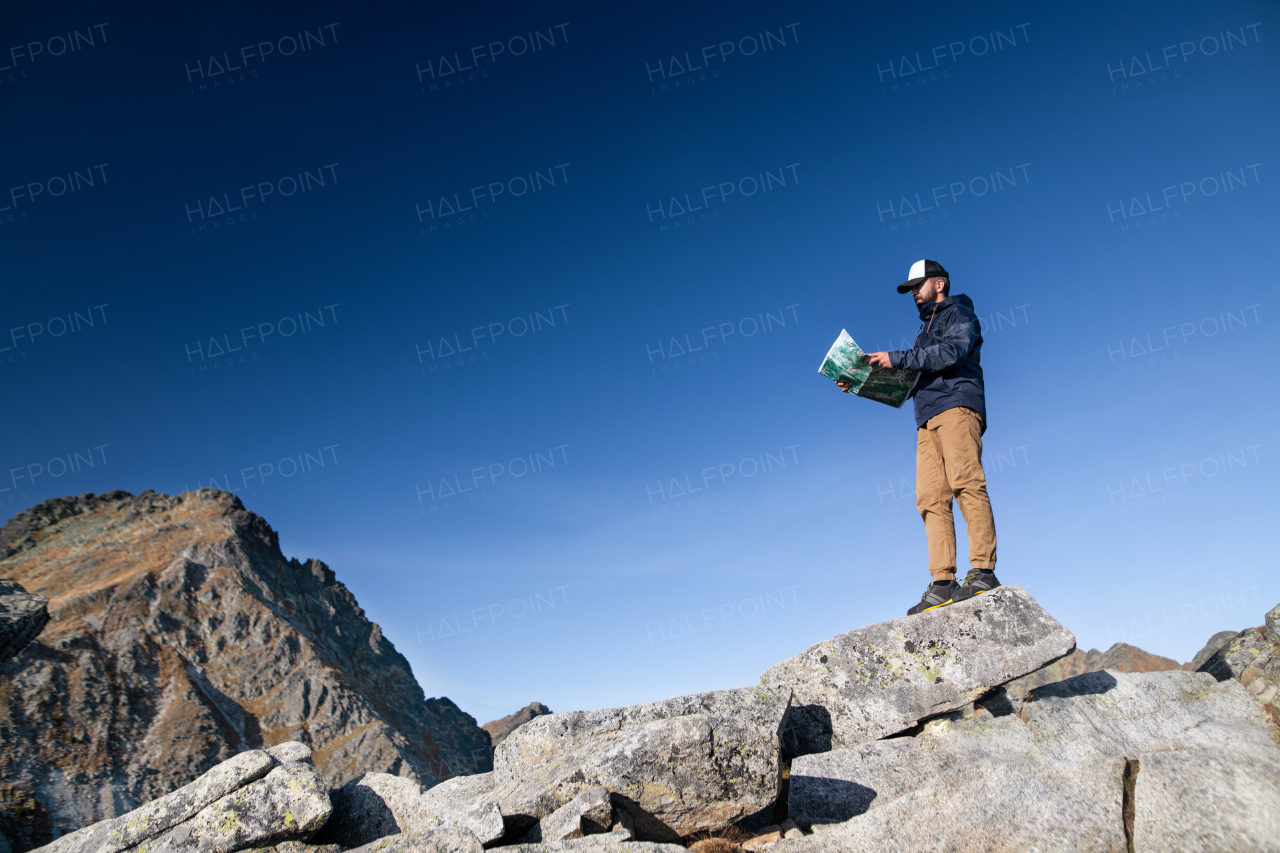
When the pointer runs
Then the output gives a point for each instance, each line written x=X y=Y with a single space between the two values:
x=953 y=348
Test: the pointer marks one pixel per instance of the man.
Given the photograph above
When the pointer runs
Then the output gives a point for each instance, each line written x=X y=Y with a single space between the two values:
x=951 y=416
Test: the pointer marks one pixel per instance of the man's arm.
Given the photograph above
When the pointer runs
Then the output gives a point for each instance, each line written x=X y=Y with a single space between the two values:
x=956 y=344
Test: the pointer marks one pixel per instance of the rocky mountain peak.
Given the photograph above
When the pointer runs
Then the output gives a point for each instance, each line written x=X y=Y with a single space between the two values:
x=179 y=636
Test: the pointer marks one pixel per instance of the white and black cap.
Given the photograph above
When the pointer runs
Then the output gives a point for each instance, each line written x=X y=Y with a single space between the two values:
x=920 y=271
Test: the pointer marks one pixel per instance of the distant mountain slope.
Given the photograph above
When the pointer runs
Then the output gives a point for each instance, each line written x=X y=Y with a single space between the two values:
x=179 y=636
x=499 y=729
x=1121 y=656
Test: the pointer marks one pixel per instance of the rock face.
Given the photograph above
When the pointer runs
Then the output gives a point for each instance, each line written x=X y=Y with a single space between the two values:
x=991 y=807
x=1252 y=657
x=1051 y=778
x=499 y=729
x=255 y=799
x=1190 y=799
x=22 y=617
x=180 y=636
x=697 y=762
x=885 y=678
x=377 y=805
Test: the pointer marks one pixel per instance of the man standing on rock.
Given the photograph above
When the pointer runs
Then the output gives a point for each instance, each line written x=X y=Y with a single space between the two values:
x=951 y=416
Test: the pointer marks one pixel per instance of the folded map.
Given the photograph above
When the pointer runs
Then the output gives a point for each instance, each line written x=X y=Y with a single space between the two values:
x=846 y=360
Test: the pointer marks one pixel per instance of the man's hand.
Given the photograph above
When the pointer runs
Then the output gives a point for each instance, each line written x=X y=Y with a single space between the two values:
x=878 y=359
x=844 y=385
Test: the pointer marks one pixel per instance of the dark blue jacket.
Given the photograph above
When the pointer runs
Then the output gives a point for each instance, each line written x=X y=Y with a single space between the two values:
x=947 y=351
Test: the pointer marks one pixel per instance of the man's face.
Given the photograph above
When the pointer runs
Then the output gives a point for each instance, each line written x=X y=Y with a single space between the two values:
x=927 y=291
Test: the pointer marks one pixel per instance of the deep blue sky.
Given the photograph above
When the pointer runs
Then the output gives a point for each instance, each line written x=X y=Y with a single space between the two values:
x=1121 y=266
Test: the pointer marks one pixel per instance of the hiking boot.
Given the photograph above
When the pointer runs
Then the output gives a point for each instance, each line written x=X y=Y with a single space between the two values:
x=935 y=596
x=976 y=582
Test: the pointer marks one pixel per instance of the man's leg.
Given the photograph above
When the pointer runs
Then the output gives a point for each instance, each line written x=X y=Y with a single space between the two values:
x=933 y=500
x=959 y=432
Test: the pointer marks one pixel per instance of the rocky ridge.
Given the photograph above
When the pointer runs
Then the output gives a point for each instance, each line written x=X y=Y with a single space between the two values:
x=179 y=636
x=1105 y=761
x=857 y=743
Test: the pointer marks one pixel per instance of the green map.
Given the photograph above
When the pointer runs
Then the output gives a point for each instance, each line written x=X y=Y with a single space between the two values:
x=846 y=360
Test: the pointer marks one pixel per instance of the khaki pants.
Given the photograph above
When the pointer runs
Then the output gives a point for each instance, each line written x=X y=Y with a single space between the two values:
x=949 y=464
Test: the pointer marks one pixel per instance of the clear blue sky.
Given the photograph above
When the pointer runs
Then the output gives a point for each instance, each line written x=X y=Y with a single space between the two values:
x=249 y=225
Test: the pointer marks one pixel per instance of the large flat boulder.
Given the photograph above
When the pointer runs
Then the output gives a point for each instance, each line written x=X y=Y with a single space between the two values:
x=157 y=816
x=257 y=798
x=1120 y=714
x=376 y=805
x=679 y=766
x=442 y=840
x=596 y=844
x=22 y=618
x=992 y=808
x=885 y=678
x=832 y=787
x=1188 y=799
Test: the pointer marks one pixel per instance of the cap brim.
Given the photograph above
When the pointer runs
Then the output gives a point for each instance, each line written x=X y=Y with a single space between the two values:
x=906 y=286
